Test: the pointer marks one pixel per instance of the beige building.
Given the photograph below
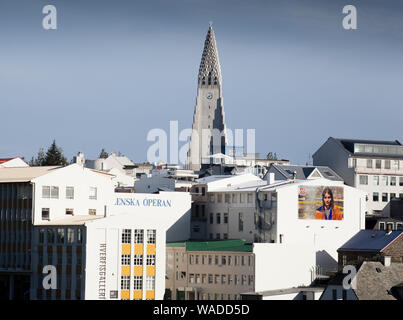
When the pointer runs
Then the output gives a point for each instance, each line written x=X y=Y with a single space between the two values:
x=213 y=270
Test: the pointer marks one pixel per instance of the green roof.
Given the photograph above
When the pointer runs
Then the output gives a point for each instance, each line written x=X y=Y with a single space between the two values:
x=214 y=245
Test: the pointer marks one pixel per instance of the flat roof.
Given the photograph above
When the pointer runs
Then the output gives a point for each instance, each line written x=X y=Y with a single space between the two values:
x=278 y=292
x=214 y=245
x=24 y=174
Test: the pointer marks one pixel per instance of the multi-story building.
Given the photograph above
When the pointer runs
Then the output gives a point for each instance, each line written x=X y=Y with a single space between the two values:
x=102 y=244
x=213 y=270
x=375 y=167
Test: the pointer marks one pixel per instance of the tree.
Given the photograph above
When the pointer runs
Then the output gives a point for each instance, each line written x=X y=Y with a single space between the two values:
x=271 y=156
x=103 y=154
x=54 y=157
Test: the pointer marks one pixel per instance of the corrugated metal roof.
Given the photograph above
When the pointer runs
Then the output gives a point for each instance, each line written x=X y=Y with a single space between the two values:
x=370 y=240
x=24 y=174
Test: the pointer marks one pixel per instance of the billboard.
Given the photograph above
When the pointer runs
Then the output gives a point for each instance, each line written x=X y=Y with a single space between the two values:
x=320 y=202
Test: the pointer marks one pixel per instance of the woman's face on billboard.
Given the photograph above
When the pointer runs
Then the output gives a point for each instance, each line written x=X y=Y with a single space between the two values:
x=327 y=199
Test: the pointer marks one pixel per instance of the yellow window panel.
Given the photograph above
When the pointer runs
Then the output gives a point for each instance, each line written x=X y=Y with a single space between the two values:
x=137 y=295
x=150 y=270
x=150 y=248
x=126 y=248
x=150 y=294
x=138 y=270
x=124 y=294
x=138 y=249
x=125 y=270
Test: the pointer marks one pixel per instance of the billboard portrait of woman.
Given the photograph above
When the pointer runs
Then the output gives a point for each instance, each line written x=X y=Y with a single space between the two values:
x=328 y=211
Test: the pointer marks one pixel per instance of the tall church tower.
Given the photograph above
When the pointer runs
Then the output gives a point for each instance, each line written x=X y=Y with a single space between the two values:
x=208 y=134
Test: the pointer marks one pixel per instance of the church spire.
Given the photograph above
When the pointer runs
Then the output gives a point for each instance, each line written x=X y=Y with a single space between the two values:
x=209 y=71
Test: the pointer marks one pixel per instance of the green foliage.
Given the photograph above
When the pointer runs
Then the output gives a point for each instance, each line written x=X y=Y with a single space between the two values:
x=271 y=156
x=53 y=157
x=103 y=154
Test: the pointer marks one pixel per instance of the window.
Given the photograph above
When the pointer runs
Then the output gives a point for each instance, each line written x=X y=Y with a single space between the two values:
x=70 y=212
x=381 y=225
x=218 y=236
x=216 y=260
x=92 y=212
x=225 y=217
x=203 y=191
x=363 y=180
x=223 y=279
x=218 y=217
x=389 y=226
x=392 y=181
x=197 y=259
x=51 y=235
x=216 y=279
x=378 y=163
x=46 y=192
x=60 y=235
x=126 y=236
x=210 y=278
x=211 y=218
x=387 y=164
x=204 y=278
x=219 y=197
x=225 y=235
x=212 y=196
x=241 y=197
x=392 y=196
x=41 y=235
x=210 y=259
x=384 y=180
x=150 y=261
x=401 y=181
x=125 y=282
x=54 y=192
x=399 y=226
x=240 y=221
x=395 y=164
x=191 y=278
x=69 y=192
x=369 y=163
x=250 y=197
x=227 y=198
x=384 y=197
x=376 y=180
x=344 y=294
x=45 y=214
x=242 y=260
x=229 y=279
x=223 y=260
x=229 y=260
x=138 y=260
x=70 y=235
x=93 y=193
x=125 y=260
x=137 y=282
x=138 y=236
x=233 y=198
x=151 y=236
x=150 y=283
x=79 y=236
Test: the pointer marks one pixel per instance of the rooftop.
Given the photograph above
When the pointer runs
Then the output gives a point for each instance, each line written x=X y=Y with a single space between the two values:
x=218 y=245
x=372 y=148
x=24 y=174
x=305 y=172
x=370 y=240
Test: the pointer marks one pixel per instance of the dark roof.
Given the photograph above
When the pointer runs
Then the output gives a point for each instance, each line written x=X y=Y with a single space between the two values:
x=218 y=245
x=303 y=172
x=370 y=240
x=348 y=144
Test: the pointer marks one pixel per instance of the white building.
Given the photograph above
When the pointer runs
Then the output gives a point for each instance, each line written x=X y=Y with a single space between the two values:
x=70 y=217
x=375 y=167
x=290 y=248
x=16 y=162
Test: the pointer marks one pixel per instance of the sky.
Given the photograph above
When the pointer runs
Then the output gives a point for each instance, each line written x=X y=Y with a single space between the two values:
x=114 y=70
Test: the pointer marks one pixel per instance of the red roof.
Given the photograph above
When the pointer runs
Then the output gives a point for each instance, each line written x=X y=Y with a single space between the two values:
x=5 y=160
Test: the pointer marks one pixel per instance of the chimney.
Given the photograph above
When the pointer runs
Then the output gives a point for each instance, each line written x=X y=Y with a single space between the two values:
x=80 y=159
x=294 y=175
x=386 y=261
x=271 y=178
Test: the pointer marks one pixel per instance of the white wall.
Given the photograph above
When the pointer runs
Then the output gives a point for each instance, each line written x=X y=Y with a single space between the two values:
x=81 y=179
x=14 y=163
x=279 y=266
